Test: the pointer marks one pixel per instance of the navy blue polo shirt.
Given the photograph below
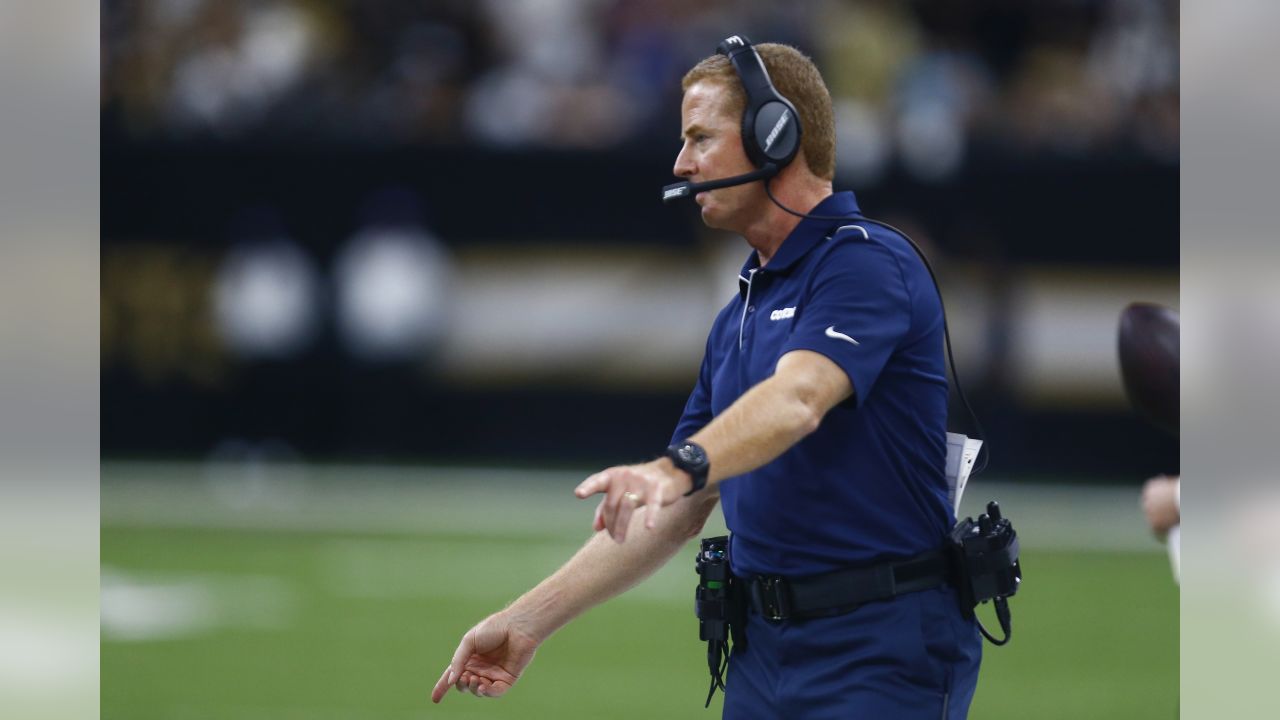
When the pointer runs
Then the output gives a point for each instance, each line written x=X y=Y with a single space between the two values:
x=869 y=484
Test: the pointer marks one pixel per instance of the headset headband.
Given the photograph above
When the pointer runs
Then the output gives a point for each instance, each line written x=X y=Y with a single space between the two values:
x=770 y=124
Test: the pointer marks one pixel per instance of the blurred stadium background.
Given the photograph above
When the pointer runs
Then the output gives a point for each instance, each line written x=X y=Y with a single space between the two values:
x=382 y=281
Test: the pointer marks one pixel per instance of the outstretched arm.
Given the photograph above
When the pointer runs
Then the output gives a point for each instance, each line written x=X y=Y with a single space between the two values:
x=761 y=425
x=494 y=653
x=774 y=415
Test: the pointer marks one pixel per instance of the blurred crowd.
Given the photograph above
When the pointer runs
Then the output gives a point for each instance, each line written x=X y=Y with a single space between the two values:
x=919 y=81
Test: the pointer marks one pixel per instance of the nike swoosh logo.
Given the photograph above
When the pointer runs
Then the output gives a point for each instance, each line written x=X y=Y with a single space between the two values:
x=831 y=333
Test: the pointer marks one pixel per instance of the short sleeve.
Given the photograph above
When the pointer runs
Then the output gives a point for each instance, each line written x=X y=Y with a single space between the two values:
x=697 y=410
x=856 y=312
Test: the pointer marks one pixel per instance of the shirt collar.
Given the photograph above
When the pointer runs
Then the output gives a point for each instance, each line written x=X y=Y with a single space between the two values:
x=804 y=237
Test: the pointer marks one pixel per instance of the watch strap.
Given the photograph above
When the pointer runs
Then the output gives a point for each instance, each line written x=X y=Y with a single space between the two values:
x=680 y=453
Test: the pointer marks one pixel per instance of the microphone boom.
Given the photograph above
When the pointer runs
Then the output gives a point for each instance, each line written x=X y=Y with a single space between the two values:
x=686 y=189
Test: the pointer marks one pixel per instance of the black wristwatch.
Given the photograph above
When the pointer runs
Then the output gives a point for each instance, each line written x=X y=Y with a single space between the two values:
x=691 y=458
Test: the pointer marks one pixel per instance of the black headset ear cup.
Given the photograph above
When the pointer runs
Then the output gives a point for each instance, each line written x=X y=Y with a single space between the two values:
x=770 y=124
x=776 y=131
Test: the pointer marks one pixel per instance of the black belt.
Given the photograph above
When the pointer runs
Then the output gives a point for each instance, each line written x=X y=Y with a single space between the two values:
x=778 y=598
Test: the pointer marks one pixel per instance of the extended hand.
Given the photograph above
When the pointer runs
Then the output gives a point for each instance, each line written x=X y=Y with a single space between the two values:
x=628 y=487
x=489 y=659
x=1160 y=503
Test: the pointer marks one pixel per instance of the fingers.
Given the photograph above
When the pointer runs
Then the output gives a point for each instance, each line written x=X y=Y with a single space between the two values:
x=469 y=682
x=606 y=511
x=598 y=523
x=442 y=685
x=654 y=505
x=592 y=485
x=465 y=650
x=452 y=673
x=627 y=505
x=481 y=686
x=612 y=500
x=625 y=489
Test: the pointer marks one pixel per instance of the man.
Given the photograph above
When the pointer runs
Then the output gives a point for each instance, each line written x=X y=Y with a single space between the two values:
x=819 y=419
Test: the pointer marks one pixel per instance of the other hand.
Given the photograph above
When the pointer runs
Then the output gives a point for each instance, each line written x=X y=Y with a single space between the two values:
x=1160 y=503
x=489 y=659
x=653 y=485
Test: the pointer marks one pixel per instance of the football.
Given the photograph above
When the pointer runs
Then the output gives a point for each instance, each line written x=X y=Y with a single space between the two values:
x=1148 y=347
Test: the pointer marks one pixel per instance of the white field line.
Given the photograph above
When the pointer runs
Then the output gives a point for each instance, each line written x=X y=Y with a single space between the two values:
x=140 y=607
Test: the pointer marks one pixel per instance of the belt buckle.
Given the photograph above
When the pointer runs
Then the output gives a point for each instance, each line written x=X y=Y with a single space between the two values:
x=771 y=591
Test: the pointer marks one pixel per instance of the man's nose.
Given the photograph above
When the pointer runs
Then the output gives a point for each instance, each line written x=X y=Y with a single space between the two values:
x=684 y=166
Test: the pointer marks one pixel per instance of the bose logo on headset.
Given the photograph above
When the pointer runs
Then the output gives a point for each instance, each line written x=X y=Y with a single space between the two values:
x=777 y=128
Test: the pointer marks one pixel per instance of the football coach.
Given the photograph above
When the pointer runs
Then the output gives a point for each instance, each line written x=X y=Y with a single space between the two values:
x=818 y=421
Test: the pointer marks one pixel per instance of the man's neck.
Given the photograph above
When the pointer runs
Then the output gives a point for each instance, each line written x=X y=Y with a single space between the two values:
x=774 y=225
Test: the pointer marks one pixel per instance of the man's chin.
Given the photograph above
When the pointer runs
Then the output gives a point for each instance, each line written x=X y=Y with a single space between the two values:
x=711 y=217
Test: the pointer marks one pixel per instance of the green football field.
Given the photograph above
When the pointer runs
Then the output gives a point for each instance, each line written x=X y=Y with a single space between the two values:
x=341 y=592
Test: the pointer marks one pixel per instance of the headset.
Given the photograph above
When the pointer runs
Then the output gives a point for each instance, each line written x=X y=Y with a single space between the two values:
x=771 y=137
x=770 y=123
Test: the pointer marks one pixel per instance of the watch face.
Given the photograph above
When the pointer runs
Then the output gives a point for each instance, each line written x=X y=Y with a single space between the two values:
x=692 y=454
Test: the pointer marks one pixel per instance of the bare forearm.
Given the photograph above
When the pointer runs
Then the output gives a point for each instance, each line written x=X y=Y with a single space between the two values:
x=766 y=421
x=759 y=427
x=604 y=568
